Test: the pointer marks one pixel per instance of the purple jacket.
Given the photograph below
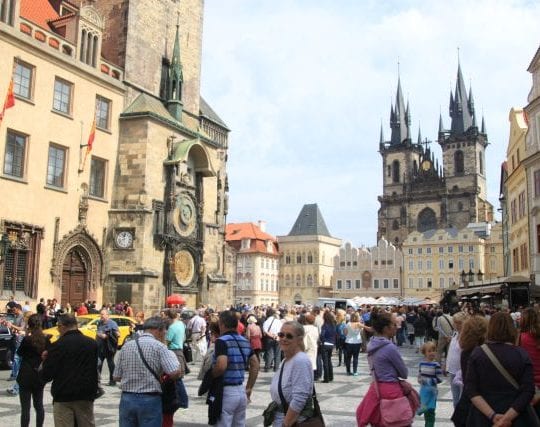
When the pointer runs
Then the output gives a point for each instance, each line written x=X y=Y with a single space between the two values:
x=386 y=360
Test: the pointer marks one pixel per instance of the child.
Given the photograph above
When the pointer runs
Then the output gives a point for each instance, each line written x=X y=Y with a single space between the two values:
x=429 y=375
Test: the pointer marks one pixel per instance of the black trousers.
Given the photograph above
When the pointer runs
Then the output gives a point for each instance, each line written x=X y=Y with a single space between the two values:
x=328 y=370
x=25 y=396
x=110 y=364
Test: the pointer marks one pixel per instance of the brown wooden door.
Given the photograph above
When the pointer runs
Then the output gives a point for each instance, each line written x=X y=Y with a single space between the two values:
x=73 y=279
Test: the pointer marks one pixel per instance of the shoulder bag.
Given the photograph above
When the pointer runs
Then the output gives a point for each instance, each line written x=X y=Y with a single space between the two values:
x=534 y=421
x=394 y=412
x=316 y=420
x=169 y=396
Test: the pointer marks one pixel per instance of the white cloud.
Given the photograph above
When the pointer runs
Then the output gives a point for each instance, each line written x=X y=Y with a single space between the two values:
x=304 y=85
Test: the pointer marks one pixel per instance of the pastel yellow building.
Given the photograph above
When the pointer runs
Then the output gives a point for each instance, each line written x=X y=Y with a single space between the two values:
x=55 y=204
x=307 y=259
x=437 y=260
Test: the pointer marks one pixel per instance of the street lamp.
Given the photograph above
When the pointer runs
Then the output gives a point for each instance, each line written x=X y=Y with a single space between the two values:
x=463 y=277
x=471 y=275
x=480 y=275
x=4 y=246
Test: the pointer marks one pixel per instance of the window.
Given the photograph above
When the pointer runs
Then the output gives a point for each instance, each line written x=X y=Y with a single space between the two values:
x=513 y=211
x=411 y=284
x=103 y=110
x=262 y=262
x=441 y=264
x=481 y=162
x=97 y=177
x=492 y=249
x=56 y=166
x=471 y=248
x=357 y=284
x=451 y=264
x=7 y=11
x=428 y=265
x=458 y=162
x=420 y=282
x=410 y=251
x=287 y=259
x=376 y=283
x=23 y=79
x=310 y=259
x=450 y=249
x=521 y=201
x=245 y=244
x=411 y=265
x=62 y=96
x=461 y=264
x=339 y=284
x=395 y=171
x=441 y=249
x=537 y=183
x=429 y=283
x=419 y=251
x=396 y=283
x=441 y=282
x=537 y=240
x=299 y=259
x=298 y=280
x=524 y=256
x=428 y=250
x=342 y=264
x=460 y=248
x=420 y=265
x=347 y=284
x=15 y=154
x=471 y=264
x=515 y=259
x=385 y=284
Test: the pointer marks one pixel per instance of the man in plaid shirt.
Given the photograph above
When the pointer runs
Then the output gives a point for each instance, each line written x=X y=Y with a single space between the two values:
x=140 y=403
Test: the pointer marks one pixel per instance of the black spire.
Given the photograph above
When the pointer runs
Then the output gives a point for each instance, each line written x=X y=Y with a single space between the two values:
x=461 y=106
x=399 y=119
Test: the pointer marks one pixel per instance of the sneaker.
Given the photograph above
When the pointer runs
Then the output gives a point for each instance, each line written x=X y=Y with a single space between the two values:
x=11 y=392
x=355 y=374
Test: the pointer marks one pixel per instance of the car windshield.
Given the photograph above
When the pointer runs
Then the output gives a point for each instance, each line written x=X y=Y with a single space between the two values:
x=83 y=321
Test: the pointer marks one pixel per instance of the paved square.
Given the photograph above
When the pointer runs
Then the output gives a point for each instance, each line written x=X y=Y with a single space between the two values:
x=338 y=399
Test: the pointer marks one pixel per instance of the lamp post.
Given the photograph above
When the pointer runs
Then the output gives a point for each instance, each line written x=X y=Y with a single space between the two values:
x=480 y=276
x=471 y=275
x=464 y=278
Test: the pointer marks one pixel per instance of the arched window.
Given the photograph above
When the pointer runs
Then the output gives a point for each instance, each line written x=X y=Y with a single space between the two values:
x=459 y=167
x=310 y=280
x=310 y=258
x=427 y=220
x=395 y=171
x=298 y=280
x=460 y=206
x=298 y=258
x=395 y=225
x=287 y=280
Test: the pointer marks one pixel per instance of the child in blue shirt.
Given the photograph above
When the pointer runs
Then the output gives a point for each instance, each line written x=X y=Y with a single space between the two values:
x=429 y=375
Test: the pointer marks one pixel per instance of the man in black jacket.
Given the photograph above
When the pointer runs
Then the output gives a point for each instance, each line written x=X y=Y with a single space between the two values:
x=71 y=365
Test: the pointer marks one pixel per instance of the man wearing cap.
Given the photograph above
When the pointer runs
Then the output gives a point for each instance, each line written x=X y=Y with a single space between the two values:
x=140 y=403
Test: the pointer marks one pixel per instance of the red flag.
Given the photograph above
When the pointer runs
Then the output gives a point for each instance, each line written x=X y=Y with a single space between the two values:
x=91 y=137
x=9 y=101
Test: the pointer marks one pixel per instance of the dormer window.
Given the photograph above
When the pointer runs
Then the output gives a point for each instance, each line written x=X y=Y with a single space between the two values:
x=246 y=243
x=7 y=11
x=269 y=246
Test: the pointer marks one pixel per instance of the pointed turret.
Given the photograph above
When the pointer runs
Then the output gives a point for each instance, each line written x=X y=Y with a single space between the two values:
x=399 y=119
x=175 y=81
x=381 y=137
x=441 y=125
x=461 y=109
x=483 y=130
x=419 y=136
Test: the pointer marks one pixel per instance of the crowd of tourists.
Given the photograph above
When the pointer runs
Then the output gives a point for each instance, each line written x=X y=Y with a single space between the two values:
x=490 y=357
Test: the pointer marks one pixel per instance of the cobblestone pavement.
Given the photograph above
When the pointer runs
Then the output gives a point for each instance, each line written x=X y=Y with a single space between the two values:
x=338 y=399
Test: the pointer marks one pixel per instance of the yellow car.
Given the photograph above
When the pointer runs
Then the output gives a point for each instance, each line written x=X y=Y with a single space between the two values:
x=88 y=324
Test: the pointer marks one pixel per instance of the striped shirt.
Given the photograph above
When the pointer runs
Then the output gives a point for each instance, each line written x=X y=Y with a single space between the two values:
x=135 y=376
x=238 y=351
x=429 y=373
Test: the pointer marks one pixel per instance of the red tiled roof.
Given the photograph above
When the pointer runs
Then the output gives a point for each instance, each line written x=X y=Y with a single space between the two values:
x=40 y=12
x=246 y=230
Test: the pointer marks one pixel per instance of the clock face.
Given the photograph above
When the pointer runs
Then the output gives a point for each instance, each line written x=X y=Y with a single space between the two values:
x=426 y=165
x=184 y=267
x=185 y=216
x=124 y=239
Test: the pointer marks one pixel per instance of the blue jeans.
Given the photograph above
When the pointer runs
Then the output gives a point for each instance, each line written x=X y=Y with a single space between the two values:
x=273 y=354
x=182 y=393
x=138 y=409
x=456 y=390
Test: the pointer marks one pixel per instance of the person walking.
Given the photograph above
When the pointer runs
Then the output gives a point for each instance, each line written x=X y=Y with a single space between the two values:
x=141 y=365
x=254 y=335
x=70 y=363
x=328 y=340
x=233 y=355
x=271 y=328
x=353 y=341
x=197 y=328
x=107 y=341
x=30 y=384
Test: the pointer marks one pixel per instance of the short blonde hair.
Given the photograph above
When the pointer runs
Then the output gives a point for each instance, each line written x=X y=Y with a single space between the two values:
x=428 y=345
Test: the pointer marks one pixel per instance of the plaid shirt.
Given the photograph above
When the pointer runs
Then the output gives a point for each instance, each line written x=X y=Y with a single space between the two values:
x=135 y=376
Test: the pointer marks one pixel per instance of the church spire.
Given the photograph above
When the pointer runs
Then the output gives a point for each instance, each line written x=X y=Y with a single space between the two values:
x=399 y=118
x=461 y=106
x=175 y=81
x=381 y=137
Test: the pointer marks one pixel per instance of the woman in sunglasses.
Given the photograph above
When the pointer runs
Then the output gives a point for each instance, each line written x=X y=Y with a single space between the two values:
x=292 y=384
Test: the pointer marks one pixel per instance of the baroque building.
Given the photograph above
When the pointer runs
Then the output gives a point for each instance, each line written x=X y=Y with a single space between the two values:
x=55 y=191
x=257 y=264
x=307 y=259
x=150 y=220
x=418 y=193
x=368 y=272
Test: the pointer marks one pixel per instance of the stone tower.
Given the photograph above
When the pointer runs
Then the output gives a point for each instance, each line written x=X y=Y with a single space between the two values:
x=167 y=219
x=420 y=195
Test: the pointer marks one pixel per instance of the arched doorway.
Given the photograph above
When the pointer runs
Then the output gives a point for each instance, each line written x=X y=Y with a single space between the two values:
x=298 y=299
x=74 y=278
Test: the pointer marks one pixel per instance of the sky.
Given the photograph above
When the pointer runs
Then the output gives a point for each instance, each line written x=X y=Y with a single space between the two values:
x=304 y=86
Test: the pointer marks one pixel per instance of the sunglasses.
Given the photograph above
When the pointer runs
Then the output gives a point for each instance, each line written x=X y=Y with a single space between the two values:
x=288 y=336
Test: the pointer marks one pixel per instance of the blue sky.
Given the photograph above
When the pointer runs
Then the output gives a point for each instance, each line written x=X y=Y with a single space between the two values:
x=304 y=85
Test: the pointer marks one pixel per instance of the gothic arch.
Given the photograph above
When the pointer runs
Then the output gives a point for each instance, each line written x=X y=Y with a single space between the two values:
x=395 y=171
x=91 y=256
x=427 y=220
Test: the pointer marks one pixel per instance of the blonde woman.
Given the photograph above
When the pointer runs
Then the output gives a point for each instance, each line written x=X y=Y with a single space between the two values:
x=353 y=341
x=311 y=338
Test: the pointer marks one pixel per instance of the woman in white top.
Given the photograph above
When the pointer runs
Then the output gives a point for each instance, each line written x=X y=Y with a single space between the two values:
x=353 y=341
x=311 y=338
x=453 y=359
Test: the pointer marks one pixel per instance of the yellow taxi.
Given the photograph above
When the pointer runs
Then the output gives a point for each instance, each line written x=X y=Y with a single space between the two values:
x=88 y=324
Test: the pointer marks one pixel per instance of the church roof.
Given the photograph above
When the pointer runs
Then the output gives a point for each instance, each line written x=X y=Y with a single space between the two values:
x=209 y=113
x=145 y=103
x=310 y=222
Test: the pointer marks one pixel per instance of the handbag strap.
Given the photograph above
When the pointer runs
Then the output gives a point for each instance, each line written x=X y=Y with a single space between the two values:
x=498 y=365
x=240 y=350
x=280 y=391
x=144 y=360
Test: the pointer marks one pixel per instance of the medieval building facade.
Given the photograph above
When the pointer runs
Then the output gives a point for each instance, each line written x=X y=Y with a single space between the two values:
x=418 y=193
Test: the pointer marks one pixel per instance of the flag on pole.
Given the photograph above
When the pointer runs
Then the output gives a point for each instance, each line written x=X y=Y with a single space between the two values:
x=90 y=142
x=9 y=101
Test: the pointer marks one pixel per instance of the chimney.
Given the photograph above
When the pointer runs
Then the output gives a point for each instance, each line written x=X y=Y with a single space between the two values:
x=262 y=225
